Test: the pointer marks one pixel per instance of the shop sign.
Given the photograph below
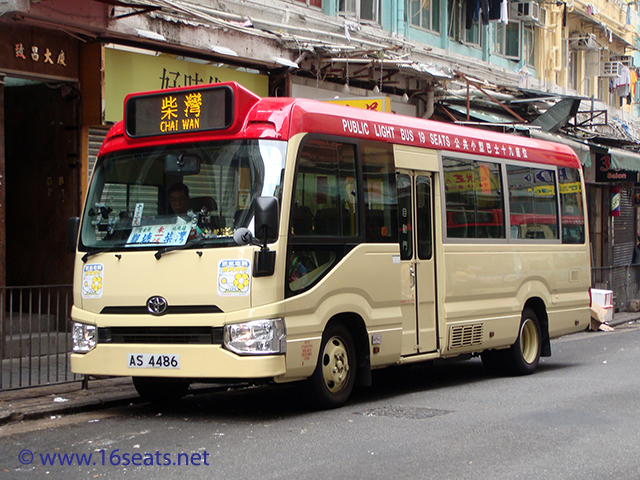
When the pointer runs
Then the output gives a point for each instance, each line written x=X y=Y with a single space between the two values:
x=28 y=50
x=129 y=72
x=615 y=201
x=379 y=104
x=605 y=173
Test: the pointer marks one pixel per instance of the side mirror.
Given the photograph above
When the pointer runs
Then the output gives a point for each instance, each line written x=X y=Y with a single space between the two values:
x=73 y=226
x=264 y=260
x=266 y=219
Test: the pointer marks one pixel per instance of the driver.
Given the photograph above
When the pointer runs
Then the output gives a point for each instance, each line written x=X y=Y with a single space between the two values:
x=178 y=194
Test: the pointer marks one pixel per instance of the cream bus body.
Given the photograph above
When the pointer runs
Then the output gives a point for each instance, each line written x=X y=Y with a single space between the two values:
x=362 y=301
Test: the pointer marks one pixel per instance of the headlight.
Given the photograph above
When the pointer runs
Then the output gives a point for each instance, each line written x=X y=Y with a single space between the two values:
x=257 y=337
x=84 y=337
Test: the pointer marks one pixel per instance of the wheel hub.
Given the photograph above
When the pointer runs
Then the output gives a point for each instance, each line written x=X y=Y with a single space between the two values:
x=529 y=341
x=335 y=365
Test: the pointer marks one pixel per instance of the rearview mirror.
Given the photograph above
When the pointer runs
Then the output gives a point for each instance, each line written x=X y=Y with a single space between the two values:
x=183 y=163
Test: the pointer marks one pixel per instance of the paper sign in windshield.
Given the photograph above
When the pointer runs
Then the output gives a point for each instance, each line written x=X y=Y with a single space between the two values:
x=165 y=235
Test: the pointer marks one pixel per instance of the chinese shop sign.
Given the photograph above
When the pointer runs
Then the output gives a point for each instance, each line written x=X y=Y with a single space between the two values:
x=27 y=50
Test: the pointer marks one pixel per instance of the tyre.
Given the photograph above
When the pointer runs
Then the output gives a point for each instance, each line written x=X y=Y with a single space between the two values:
x=523 y=356
x=160 y=390
x=332 y=381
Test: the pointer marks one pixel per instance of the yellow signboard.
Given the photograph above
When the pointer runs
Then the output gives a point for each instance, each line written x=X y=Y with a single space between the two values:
x=128 y=72
x=379 y=104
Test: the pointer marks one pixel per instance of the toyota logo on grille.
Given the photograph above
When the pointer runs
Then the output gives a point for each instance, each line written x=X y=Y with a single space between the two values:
x=157 y=305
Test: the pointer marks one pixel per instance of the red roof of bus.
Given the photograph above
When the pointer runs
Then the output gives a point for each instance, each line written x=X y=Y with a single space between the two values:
x=282 y=118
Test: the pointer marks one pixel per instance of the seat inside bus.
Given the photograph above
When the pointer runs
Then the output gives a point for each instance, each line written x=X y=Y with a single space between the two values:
x=301 y=220
x=333 y=221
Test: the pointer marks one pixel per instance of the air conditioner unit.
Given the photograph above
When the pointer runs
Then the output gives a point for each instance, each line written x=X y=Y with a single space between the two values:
x=611 y=69
x=626 y=60
x=584 y=42
x=527 y=12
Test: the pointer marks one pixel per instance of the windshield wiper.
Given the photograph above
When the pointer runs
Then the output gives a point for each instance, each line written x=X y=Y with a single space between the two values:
x=173 y=248
x=94 y=251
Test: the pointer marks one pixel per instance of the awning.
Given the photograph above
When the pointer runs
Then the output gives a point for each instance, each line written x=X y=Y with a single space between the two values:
x=484 y=115
x=582 y=149
x=624 y=159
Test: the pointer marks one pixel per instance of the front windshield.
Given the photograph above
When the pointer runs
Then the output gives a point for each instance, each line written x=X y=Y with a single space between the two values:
x=176 y=194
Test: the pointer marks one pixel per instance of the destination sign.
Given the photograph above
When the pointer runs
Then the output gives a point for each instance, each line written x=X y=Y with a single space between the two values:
x=179 y=111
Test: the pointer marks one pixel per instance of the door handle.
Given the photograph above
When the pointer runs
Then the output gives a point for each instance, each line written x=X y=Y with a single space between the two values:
x=412 y=272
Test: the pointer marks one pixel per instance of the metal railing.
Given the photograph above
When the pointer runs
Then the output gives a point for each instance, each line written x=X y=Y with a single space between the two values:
x=624 y=281
x=35 y=336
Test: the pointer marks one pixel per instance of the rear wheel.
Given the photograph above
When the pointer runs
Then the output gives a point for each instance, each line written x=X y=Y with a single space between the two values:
x=160 y=390
x=524 y=355
x=332 y=381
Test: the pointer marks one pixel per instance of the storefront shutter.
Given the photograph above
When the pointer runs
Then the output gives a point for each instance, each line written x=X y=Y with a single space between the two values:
x=624 y=230
x=96 y=137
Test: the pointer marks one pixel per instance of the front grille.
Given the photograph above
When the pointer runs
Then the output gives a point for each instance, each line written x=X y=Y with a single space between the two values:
x=171 y=310
x=466 y=335
x=161 y=335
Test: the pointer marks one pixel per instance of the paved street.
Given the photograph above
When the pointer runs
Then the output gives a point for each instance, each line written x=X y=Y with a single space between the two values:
x=576 y=418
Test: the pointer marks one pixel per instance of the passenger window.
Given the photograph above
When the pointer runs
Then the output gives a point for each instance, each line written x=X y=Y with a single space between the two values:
x=571 y=204
x=324 y=214
x=307 y=265
x=325 y=198
x=423 y=217
x=474 y=201
x=380 y=215
x=533 y=203
x=405 y=216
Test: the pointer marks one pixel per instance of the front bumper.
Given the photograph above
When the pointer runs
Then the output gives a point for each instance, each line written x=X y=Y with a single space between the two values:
x=196 y=361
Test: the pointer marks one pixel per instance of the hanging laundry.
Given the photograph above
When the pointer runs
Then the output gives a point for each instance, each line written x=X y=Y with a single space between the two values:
x=473 y=7
x=623 y=85
x=504 y=11
x=484 y=8
x=494 y=9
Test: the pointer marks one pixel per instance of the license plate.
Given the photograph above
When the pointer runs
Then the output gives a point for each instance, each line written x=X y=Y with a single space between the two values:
x=152 y=360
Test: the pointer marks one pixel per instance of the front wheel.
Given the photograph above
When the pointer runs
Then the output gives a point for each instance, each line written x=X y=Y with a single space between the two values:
x=524 y=355
x=332 y=381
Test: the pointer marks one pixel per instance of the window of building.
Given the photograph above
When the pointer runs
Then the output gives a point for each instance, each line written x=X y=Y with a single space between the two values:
x=311 y=3
x=361 y=9
x=506 y=39
x=528 y=45
x=463 y=28
x=474 y=200
x=425 y=14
